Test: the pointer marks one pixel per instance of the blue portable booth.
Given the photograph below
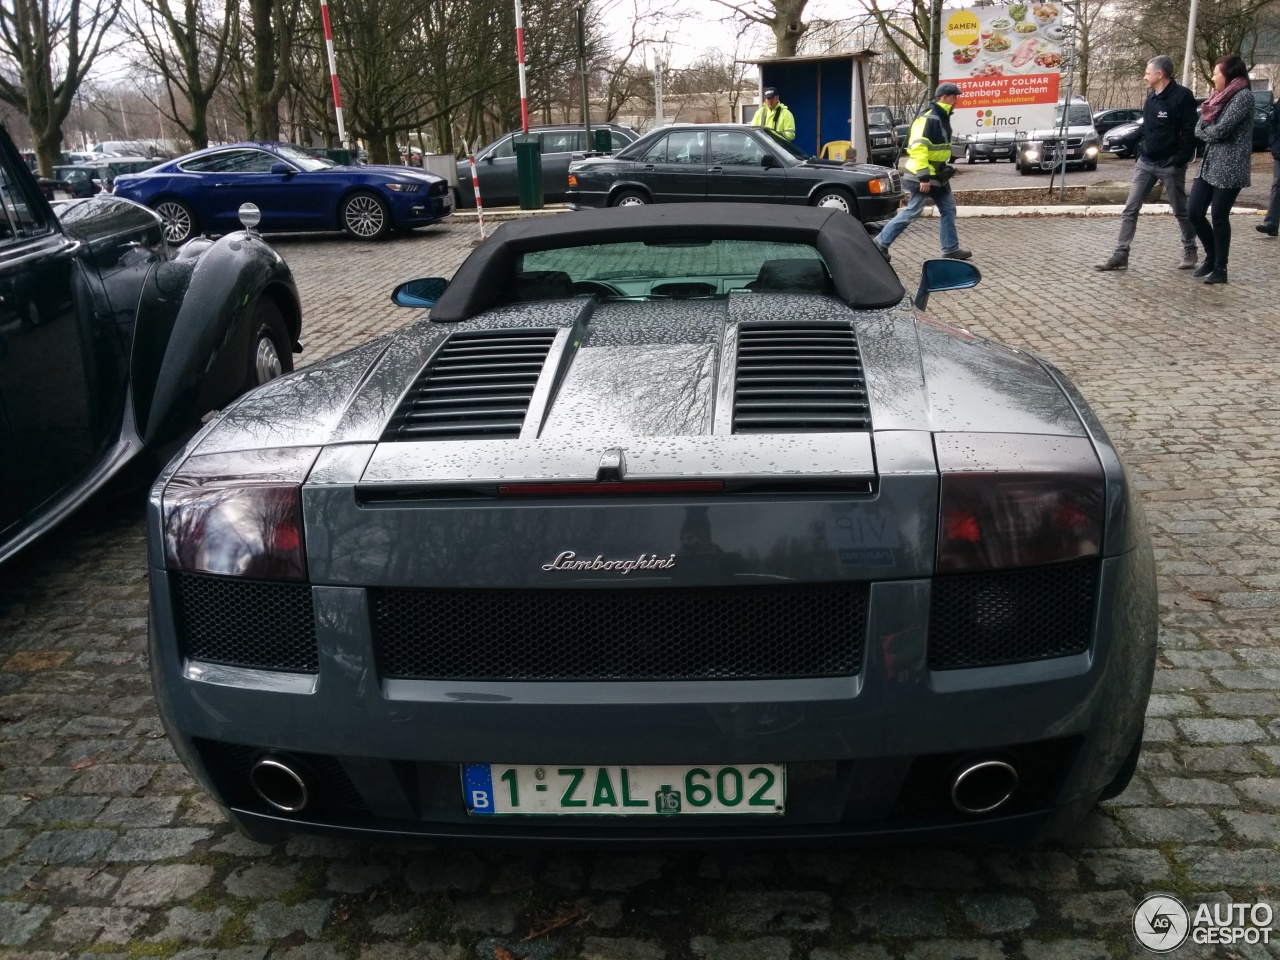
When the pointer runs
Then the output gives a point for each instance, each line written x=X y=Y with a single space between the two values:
x=826 y=93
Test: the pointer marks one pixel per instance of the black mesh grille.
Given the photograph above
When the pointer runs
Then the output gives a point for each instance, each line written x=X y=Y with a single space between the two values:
x=799 y=377
x=332 y=791
x=634 y=634
x=477 y=386
x=979 y=620
x=246 y=623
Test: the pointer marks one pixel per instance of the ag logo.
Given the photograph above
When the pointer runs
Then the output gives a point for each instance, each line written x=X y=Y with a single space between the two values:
x=1161 y=923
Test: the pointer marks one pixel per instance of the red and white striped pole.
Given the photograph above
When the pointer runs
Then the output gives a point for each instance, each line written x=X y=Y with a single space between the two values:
x=333 y=70
x=524 y=93
x=475 y=185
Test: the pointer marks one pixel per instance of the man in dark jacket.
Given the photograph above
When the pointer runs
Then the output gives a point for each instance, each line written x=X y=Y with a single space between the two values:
x=1168 y=143
x=1270 y=224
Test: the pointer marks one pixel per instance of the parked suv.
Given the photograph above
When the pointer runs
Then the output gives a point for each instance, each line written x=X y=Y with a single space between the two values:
x=884 y=142
x=496 y=163
x=1042 y=149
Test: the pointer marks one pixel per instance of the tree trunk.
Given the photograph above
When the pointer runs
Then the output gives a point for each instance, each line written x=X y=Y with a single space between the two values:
x=788 y=25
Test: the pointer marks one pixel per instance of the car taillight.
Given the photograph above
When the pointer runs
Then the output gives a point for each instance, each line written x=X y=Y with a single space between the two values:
x=573 y=180
x=1017 y=501
x=238 y=514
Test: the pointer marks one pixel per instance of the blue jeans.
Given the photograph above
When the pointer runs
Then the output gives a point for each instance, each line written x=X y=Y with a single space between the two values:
x=942 y=198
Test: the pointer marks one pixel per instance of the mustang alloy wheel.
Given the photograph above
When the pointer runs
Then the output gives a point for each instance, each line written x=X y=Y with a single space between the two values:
x=179 y=221
x=365 y=217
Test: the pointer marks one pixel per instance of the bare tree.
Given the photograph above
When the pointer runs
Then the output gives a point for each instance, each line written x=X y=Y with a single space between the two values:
x=188 y=43
x=907 y=29
x=46 y=48
x=784 y=17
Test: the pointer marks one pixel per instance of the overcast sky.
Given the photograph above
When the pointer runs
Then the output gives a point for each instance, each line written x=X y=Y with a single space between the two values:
x=708 y=25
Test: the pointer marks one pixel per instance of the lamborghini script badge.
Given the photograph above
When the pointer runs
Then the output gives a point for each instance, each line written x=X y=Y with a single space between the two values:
x=568 y=560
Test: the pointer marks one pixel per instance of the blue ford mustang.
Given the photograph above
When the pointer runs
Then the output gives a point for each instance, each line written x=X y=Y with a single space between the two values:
x=201 y=192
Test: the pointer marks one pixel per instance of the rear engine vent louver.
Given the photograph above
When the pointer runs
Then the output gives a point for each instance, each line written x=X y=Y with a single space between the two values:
x=476 y=387
x=794 y=378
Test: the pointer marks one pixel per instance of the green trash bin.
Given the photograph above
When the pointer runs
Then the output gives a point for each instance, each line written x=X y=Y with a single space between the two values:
x=529 y=170
x=603 y=139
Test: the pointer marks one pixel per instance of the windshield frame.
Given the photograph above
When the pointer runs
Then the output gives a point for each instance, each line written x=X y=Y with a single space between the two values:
x=301 y=159
x=790 y=152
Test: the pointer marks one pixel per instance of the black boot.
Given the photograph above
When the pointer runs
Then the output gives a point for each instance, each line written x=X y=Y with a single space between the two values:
x=1219 y=275
x=1204 y=269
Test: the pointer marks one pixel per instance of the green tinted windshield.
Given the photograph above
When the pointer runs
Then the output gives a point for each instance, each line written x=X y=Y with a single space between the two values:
x=635 y=269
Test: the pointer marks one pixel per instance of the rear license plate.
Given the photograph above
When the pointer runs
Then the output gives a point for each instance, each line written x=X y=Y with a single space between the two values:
x=758 y=788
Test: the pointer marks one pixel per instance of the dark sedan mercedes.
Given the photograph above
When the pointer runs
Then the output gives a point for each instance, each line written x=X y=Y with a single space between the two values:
x=728 y=162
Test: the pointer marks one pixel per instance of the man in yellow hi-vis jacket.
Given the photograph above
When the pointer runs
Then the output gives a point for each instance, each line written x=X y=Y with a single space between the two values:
x=928 y=170
x=775 y=115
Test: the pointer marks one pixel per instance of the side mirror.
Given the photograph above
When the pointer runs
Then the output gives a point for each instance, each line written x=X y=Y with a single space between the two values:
x=423 y=292
x=769 y=161
x=487 y=159
x=939 y=275
x=281 y=168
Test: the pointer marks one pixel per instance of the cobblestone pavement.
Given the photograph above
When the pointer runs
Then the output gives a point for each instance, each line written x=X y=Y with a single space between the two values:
x=1004 y=176
x=107 y=849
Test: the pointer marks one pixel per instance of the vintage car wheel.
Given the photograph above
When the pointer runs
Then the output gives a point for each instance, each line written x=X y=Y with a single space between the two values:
x=630 y=198
x=365 y=217
x=270 y=352
x=835 y=197
x=179 y=221
x=968 y=155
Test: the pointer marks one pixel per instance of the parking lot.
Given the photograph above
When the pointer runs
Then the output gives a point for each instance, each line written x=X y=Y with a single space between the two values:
x=109 y=850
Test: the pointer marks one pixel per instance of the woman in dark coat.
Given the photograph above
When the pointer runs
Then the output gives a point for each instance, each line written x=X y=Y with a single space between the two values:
x=1226 y=127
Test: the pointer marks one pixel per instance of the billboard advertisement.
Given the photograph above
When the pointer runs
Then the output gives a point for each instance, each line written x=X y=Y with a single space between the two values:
x=1008 y=60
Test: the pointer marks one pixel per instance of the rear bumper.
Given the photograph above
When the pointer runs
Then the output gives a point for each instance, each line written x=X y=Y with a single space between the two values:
x=868 y=756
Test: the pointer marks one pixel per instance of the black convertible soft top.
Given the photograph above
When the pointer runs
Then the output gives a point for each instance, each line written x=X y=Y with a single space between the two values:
x=861 y=277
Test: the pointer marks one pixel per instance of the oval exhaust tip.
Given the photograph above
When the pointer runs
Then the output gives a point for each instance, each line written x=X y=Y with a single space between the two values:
x=279 y=784
x=984 y=787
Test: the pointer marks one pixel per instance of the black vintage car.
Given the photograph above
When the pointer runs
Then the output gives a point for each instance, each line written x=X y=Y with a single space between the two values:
x=730 y=162
x=112 y=346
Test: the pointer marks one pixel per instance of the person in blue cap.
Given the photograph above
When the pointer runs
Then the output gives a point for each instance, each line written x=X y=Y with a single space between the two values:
x=928 y=170
x=774 y=114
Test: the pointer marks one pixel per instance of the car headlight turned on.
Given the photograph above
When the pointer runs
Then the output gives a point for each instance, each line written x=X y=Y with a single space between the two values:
x=238 y=514
x=880 y=185
x=1017 y=501
x=403 y=187
x=1091 y=151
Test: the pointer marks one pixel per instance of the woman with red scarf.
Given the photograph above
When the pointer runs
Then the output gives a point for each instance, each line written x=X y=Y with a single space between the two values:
x=1226 y=127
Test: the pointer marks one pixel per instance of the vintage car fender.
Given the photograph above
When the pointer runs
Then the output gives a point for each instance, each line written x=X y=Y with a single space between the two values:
x=183 y=364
